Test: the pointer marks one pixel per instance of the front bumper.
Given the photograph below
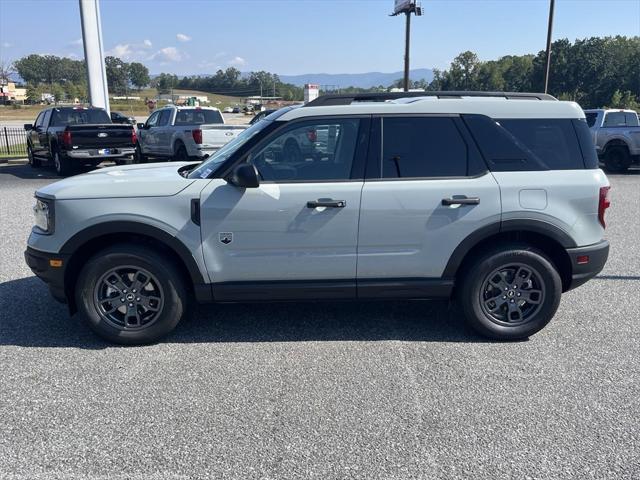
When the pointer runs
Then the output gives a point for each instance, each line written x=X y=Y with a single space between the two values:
x=93 y=153
x=587 y=262
x=40 y=263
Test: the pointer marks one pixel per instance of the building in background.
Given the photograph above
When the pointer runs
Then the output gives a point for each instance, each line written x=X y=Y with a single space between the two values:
x=9 y=93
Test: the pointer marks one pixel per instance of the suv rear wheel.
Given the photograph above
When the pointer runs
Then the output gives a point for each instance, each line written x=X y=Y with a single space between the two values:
x=130 y=295
x=33 y=161
x=510 y=293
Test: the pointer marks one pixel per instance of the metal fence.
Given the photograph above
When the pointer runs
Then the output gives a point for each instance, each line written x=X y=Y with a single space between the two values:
x=13 y=141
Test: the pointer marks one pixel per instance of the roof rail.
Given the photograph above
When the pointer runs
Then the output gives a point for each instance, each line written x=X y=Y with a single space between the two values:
x=348 y=98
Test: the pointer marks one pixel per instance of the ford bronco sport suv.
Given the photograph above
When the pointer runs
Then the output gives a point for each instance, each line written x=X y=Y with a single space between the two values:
x=492 y=199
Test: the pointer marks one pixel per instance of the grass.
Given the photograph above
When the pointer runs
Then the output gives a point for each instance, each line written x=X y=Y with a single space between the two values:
x=129 y=107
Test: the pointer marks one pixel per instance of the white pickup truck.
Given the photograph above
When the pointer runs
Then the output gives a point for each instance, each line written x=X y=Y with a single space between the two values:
x=183 y=133
x=616 y=134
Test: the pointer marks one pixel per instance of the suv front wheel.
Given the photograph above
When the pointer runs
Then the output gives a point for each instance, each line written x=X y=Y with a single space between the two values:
x=510 y=293
x=130 y=295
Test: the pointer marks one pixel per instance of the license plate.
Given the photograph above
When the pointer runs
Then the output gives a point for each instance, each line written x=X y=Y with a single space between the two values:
x=104 y=151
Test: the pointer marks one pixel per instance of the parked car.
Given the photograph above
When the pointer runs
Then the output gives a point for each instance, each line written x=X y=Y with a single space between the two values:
x=71 y=137
x=236 y=109
x=495 y=202
x=616 y=134
x=183 y=133
x=117 y=117
x=228 y=110
x=260 y=115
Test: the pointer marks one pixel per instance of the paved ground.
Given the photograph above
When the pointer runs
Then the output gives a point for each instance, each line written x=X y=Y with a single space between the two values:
x=321 y=391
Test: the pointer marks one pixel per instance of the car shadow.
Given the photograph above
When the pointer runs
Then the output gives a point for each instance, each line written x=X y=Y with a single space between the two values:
x=31 y=318
x=45 y=172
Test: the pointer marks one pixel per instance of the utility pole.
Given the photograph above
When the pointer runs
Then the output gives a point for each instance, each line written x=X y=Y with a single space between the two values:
x=94 y=53
x=549 y=33
x=407 y=7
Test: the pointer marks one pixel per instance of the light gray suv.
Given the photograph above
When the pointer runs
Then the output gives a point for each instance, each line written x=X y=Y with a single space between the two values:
x=492 y=199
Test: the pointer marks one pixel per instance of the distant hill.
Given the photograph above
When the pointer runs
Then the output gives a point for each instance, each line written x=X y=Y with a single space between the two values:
x=362 y=80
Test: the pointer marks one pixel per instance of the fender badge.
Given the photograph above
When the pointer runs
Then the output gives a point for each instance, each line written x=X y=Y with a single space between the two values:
x=225 y=237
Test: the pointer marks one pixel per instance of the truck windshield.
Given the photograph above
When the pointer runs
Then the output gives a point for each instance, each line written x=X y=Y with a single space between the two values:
x=78 y=116
x=211 y=164
x=198 y=116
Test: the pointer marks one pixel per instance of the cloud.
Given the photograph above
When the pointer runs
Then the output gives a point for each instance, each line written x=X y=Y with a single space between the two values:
x=121 y=50
x=182 y=37
x=77 y=42
x=6 y=45
x=237 y=62
x=167 y=55
x=147 y=43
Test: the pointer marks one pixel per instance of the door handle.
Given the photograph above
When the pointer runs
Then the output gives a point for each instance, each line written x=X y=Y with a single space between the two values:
x=462 y=200
x=327 y=203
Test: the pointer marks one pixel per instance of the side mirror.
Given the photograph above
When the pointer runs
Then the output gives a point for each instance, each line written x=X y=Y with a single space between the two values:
x=28 y=126
x=141 y=126
x=245 y=175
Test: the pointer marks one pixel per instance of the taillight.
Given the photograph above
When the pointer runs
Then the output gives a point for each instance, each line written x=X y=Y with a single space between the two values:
x=603 y=203
x=134 y=136
x=66 y=138
x=197 y=136
x=312 y=135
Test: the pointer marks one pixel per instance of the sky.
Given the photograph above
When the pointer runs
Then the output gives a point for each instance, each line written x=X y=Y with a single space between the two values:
x=304 y=36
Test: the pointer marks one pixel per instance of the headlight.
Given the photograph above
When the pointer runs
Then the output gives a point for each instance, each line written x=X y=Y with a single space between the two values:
x=43 y=213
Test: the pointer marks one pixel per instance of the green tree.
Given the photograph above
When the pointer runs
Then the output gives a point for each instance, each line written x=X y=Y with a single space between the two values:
x=138 y=75
x=117 y=75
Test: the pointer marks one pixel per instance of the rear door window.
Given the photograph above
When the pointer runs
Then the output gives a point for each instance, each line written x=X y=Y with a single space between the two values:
x=591 y=118
x=422 y=147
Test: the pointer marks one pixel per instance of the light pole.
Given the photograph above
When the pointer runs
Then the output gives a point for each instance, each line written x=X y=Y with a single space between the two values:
x=94 y=53
x=549 y=33
x=407 y=7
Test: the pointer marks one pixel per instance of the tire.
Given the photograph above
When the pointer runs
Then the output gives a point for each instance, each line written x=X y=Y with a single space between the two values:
x=139 y=157
x=492 y=292
x=137 y=319
x=61 y=164
x=181 y=154
x=292 y=152
x=617 y=159
x=33 y=161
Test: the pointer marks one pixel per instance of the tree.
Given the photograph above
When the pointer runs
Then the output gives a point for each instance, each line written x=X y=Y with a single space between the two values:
x=138 y=75
x=34 y=93
x=117 y=74
x=463 y=74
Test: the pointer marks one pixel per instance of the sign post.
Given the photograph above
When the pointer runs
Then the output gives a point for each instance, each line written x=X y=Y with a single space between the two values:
x=94 y=53
x=407 y=7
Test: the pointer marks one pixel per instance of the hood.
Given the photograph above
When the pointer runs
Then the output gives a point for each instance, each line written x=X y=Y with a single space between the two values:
x=147 y=180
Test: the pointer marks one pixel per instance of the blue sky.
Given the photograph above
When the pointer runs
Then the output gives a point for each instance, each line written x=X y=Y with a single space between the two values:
x=304 y=36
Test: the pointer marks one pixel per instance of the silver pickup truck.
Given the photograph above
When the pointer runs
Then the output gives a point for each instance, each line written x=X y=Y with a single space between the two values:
x=183 y=133
x=616 y=134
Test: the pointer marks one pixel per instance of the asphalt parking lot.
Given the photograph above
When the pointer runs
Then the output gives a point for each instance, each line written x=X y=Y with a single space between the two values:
x=321 y=390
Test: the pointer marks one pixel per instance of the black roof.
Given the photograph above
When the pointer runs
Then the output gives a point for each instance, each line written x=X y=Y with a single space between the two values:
x=348 y=98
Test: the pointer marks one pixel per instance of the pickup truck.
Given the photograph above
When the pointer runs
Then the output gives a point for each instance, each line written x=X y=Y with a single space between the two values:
x=184 y=133
x=616 y=134
x=72 y=137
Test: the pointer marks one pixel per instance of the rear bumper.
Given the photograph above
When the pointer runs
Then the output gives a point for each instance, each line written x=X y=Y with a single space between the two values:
x=93 y=154
x=40 y=264
x=587 y=262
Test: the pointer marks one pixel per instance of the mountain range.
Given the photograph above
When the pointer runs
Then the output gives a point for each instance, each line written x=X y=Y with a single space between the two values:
x=362 y=80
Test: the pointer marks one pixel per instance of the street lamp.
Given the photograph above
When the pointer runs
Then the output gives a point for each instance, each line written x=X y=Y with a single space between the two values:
x=407 y=7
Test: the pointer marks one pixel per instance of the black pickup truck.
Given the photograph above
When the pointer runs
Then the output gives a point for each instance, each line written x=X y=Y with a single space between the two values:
x=72 y=137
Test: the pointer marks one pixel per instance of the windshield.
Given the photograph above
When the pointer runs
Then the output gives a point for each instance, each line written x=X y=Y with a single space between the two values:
x=212 y=163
